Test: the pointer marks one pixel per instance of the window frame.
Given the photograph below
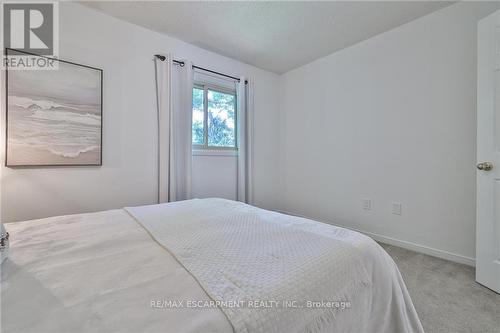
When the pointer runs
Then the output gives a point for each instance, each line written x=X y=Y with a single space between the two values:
x=206 y=87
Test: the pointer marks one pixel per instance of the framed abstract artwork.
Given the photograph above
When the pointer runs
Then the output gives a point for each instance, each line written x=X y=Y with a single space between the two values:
x=53 y=117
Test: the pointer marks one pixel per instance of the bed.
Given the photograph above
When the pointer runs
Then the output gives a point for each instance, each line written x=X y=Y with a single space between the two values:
x=202 y=265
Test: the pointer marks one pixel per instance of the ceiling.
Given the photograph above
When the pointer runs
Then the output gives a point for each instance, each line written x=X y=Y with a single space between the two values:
x=276 y=36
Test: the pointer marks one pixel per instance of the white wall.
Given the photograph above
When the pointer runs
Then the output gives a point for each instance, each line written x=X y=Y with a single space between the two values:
x=214 y=175
x=391 y=119
x=128 y=175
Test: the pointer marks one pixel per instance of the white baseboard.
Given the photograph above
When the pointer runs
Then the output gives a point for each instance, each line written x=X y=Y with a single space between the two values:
x=458 y=258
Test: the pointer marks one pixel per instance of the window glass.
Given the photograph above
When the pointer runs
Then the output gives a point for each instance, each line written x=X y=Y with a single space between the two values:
x=221 y=124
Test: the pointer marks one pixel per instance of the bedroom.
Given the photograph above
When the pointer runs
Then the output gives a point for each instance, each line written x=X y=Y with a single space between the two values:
x=369 y=118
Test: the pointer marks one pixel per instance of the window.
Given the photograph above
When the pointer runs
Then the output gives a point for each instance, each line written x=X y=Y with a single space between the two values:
x=214 y=118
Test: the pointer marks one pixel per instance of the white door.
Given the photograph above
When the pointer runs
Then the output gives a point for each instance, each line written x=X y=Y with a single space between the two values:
x=488 y=153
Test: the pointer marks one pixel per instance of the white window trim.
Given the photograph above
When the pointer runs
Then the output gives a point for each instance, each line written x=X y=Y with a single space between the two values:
x=212 y=152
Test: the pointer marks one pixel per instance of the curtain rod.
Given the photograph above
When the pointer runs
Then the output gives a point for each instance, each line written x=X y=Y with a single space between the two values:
x=181 y=63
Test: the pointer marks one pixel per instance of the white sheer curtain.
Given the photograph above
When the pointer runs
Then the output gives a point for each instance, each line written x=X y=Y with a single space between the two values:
x=181 y=135
x=244 y=131
x=174 y=130
x=163 y=80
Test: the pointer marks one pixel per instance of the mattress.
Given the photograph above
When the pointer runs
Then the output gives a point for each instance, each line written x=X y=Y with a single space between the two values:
x=104 y=272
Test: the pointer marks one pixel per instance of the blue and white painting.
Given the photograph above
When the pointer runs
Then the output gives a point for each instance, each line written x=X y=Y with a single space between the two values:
x=54 y=116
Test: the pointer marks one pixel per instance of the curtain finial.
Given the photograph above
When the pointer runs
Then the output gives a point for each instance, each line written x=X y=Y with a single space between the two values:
x=161 y=57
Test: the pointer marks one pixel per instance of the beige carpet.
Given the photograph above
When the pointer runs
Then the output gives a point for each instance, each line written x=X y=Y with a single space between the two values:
x=445 y=294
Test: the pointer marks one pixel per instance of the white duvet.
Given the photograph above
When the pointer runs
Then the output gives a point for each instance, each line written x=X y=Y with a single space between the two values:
x=104 y=272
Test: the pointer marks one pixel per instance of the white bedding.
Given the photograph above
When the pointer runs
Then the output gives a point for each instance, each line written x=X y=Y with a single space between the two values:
x=102 y=271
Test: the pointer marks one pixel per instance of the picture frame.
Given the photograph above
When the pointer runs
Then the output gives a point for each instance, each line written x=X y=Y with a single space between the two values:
x=53 y=117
